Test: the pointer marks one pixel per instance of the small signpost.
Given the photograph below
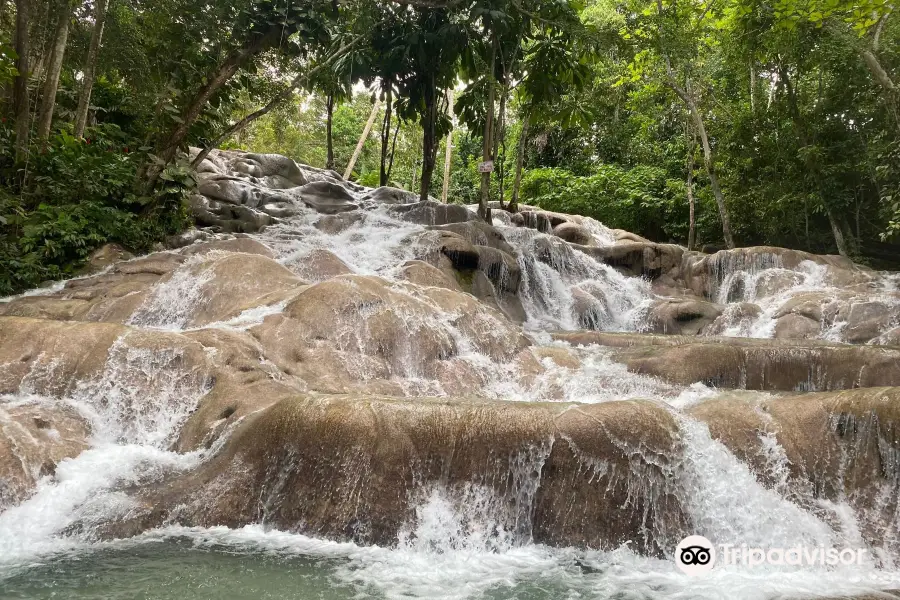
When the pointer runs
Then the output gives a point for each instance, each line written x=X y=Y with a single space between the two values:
x=486 y=167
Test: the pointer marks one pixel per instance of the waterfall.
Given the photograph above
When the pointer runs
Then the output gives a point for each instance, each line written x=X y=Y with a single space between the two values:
x=420 y=383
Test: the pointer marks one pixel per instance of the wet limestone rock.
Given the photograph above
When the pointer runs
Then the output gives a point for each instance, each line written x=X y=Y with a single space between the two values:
x=34 y=438
x=573 y=233
x=226 y=217
x=235 y=282
x=105 y=256
x=320 y=265
x=426 y=275
x=328 y=198
x=433 y=213
x=756 y=364
x=682 y=316
x=796 y=327
x=351 y=467
x=639 y=259
x=390 y=195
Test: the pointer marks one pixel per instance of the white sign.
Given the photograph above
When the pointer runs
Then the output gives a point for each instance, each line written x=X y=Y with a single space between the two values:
x=486 y=167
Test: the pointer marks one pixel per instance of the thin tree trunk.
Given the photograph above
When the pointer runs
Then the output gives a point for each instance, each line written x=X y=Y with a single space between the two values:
x=753 y=78
x=393 y=149
x=870 y=57
x=51 y=83
x=20 y=85
x=168 y=146
x=806 y=140
x=448 y=157
x=90 y=68
x=329 y=134
x=520 y=162
x=429 y=140
x=38 y=39
x=500 y=141
x=709 y=161
x=692 y=228
x=386 y=132
x=839 y=240
x=362 y=139
x=484 y=211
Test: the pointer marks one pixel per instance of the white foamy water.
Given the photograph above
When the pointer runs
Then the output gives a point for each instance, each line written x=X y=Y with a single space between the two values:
x=775 y=289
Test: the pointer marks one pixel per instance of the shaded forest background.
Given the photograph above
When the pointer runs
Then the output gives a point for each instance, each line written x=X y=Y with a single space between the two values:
x=710 y=123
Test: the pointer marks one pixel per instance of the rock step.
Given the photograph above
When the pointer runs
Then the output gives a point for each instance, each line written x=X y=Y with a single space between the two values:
x=741 y=363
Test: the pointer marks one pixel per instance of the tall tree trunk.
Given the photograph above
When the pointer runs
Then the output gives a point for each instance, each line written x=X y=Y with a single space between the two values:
x=870 y=57
x=500 y=142
x=520 y=162
x=812 y=166
x=20 y=85
x=390 y=168
x=329 y=133
x=709 y=160
x=692 y=228
x=386 y=131
x=838 y=233
x=448 y=156
x=484 y=211
x=429 y=139
x=51 y=82
x=90 y=68
x=362 y=139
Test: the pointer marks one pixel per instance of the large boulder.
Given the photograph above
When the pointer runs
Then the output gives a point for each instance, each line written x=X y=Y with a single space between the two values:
x=227 y=217
x=574 y=233
x=319 y=265
x=34 y=439
x=682 y=316
x=639 y=259
x=390 y=195
x=433 y=213
x=357 y=467
x=327 y=198
x=216 y=287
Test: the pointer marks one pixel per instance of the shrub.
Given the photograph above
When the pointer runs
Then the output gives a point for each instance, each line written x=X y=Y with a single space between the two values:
x=642 y=200
x=75 y=196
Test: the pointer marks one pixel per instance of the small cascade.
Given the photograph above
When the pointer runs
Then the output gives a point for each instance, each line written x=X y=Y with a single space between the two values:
x=565 y=289
x=134 y=409
x=173 y=302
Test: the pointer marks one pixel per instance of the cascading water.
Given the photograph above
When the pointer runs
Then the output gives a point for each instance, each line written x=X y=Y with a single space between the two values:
x=461 y=541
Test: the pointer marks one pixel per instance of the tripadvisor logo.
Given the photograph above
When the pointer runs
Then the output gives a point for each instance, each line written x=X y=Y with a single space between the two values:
x=696 y=555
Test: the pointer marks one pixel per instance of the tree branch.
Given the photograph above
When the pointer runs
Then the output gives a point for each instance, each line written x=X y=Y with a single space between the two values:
x=275 y=101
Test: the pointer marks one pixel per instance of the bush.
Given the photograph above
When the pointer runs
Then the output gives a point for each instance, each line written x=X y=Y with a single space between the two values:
x=75 y=196
x=642 y=200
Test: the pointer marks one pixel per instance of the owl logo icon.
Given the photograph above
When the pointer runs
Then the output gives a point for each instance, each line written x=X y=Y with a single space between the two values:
x=695 y=555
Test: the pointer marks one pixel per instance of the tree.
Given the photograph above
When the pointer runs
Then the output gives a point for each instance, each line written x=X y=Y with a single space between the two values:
x=51 y=81
x=90 y=67
x=21 y=103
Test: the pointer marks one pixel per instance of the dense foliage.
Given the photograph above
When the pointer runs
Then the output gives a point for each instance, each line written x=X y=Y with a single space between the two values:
x=779 y=120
